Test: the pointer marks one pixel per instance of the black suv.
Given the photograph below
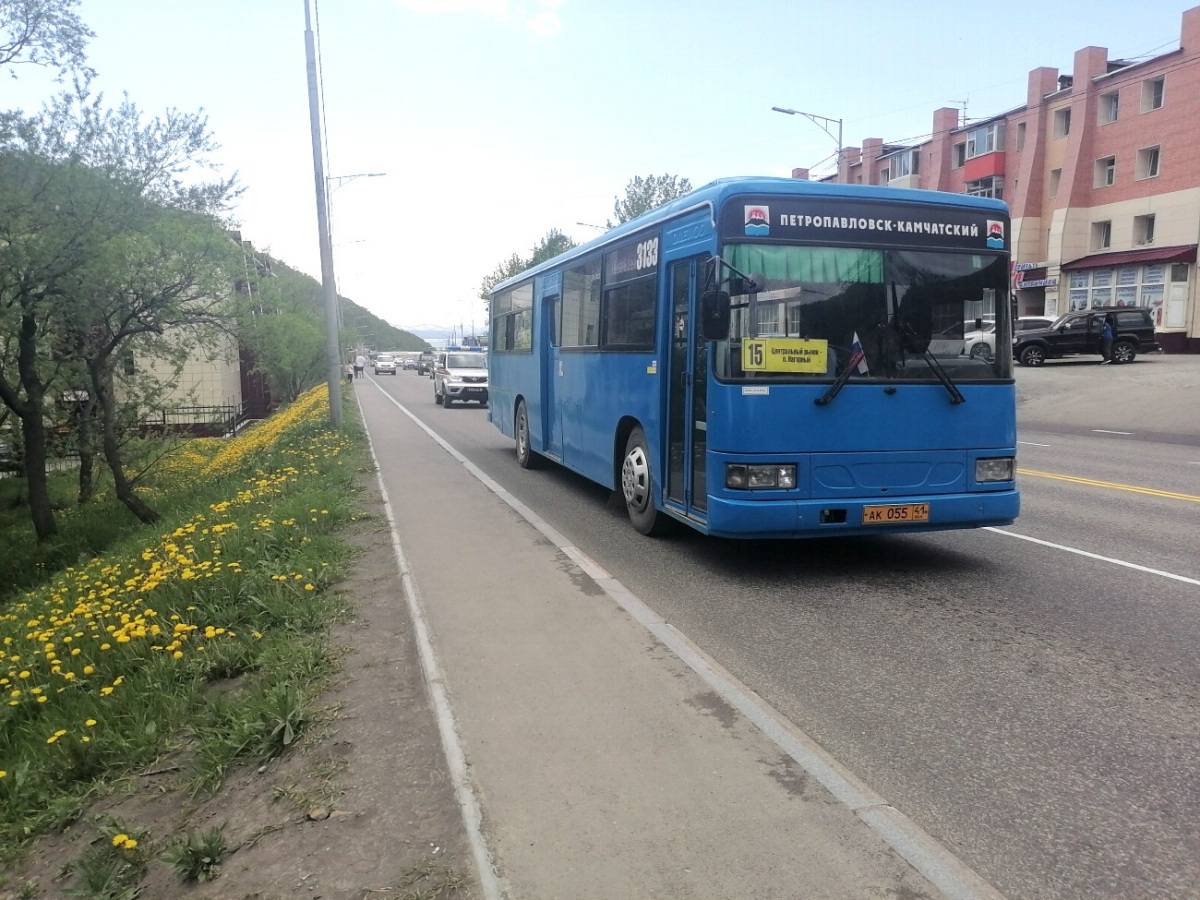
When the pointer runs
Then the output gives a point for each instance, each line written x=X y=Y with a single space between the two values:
x=1079 y=332
x=425 y=363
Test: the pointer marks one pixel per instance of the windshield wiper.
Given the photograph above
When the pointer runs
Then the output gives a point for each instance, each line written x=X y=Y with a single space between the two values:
x=956 y=396
x=951 y=388
x=838 y=383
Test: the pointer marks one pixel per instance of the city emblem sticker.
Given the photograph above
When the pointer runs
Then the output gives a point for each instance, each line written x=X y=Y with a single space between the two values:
x=995 y=234
x=758 y=219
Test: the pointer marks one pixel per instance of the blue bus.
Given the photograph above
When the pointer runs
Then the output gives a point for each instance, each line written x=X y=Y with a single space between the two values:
x=774 y=358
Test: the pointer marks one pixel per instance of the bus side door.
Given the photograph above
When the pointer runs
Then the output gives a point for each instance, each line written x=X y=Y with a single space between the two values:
x=551 y=363
x=686 y=486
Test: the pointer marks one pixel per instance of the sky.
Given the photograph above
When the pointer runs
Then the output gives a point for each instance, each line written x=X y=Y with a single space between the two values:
x=491 y=122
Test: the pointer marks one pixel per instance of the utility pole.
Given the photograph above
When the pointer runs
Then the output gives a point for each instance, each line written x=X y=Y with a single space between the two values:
x=332 y=342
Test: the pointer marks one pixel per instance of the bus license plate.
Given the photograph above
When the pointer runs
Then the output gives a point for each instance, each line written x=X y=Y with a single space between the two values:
x=895 y=514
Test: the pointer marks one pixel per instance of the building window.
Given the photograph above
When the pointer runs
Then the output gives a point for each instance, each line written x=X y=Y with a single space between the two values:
x=1062 y=122
x=1101 y=235
x=1020 y=135
x=904 y=163
x=1143 y=229
x=1109 y=104
x=1055 y=178
x=1152 y=93
x=1128 y=286
x=885 y=175
x=1147 y=162
x=127 y=364
x=958 y=158
x=1106 y=172
x=992 y=186
x=987 y=139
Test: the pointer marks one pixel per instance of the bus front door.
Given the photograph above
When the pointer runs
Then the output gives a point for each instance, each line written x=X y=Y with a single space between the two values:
x=687 y=395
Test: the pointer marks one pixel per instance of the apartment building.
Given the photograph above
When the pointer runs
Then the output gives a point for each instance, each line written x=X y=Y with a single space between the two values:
x=1101 y=169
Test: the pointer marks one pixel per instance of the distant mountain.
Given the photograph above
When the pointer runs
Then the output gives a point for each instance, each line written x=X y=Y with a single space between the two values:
x=441 y=332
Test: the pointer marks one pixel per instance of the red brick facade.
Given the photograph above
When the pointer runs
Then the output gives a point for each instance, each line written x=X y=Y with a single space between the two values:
x=1104 y=161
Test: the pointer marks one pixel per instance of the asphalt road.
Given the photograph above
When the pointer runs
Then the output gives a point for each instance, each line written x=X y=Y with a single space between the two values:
x=1029 y=696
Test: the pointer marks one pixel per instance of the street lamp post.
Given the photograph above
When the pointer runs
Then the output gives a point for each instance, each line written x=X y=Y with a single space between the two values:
x=333 y=361
x=333 y=182
x=825 y=124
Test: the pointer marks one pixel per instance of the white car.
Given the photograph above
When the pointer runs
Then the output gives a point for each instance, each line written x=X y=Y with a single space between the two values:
x=460 y=374
x=385 y=364
x=979 y=343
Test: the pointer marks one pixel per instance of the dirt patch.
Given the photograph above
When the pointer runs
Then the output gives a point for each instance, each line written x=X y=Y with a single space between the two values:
x=362 y=806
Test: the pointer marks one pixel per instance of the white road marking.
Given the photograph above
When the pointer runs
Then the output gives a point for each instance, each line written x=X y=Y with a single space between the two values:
x=1032 y=444
x=1089 y=555
x=1106 y=431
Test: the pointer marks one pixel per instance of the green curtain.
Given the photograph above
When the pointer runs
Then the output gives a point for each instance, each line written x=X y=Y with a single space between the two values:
x=814 y=265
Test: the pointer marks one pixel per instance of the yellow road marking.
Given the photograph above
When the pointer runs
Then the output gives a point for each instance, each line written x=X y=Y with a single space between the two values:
x=1116 y=486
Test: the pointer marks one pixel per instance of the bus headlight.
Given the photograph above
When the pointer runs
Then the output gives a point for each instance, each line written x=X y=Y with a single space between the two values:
x=741 y=477
x=998 y=469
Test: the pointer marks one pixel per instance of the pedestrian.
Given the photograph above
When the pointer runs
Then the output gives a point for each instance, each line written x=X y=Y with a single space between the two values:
x=360 y=363
x=1106 y=341
x=350 y=373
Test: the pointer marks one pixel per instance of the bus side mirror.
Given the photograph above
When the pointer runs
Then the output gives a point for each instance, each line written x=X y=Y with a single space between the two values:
x=714 y=315
x=748 y=284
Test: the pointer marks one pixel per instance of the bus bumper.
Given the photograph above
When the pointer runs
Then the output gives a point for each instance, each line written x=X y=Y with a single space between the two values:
x=828 y=517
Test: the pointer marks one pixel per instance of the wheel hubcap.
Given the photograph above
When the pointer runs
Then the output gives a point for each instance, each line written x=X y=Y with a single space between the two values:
x=635 y=478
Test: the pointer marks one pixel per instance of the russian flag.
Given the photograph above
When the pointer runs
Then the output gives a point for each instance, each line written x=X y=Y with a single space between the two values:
x=858 y=360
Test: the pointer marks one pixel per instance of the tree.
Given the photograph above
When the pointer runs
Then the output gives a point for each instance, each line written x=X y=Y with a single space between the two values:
x=644 y=194
x=161 y=287
x=106 y=240
x=282 y=322
x=553 y=243
x=510 y=268
x=43 y=33
x=41 y=246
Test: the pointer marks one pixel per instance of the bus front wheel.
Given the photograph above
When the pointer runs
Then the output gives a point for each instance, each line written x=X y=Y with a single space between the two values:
x=526 y=458
x=637 y=485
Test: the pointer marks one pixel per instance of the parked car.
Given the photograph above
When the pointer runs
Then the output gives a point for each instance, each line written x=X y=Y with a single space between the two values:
x=979 y=343
x=460 y=375
x=1079 y=333
x=385 y=364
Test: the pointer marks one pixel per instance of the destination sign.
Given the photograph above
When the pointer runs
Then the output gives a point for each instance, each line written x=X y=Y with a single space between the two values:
x=861 y=223
x=785 y=355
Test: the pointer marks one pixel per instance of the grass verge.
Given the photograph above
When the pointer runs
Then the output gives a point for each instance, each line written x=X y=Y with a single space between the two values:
x=203 y=639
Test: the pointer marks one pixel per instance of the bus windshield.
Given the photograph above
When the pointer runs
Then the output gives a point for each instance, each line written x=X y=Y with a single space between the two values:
x=883 y=313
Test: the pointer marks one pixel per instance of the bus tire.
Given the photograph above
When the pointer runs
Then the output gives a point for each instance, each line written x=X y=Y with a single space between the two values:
x=637 y=486
x=526 y=458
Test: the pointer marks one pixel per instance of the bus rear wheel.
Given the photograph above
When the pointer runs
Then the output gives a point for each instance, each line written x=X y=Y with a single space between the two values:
x=526 y=458
x=637 y=486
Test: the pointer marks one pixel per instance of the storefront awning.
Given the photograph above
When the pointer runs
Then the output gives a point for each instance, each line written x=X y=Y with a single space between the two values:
x=1183 y=254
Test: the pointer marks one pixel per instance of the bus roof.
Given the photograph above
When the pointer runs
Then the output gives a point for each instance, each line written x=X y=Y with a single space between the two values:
x=715 y=193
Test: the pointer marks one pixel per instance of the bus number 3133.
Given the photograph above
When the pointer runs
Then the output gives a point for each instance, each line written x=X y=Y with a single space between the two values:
x=647 y=254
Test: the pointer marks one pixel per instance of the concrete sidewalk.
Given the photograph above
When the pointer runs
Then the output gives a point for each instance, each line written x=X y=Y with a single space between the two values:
x=608 y=758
